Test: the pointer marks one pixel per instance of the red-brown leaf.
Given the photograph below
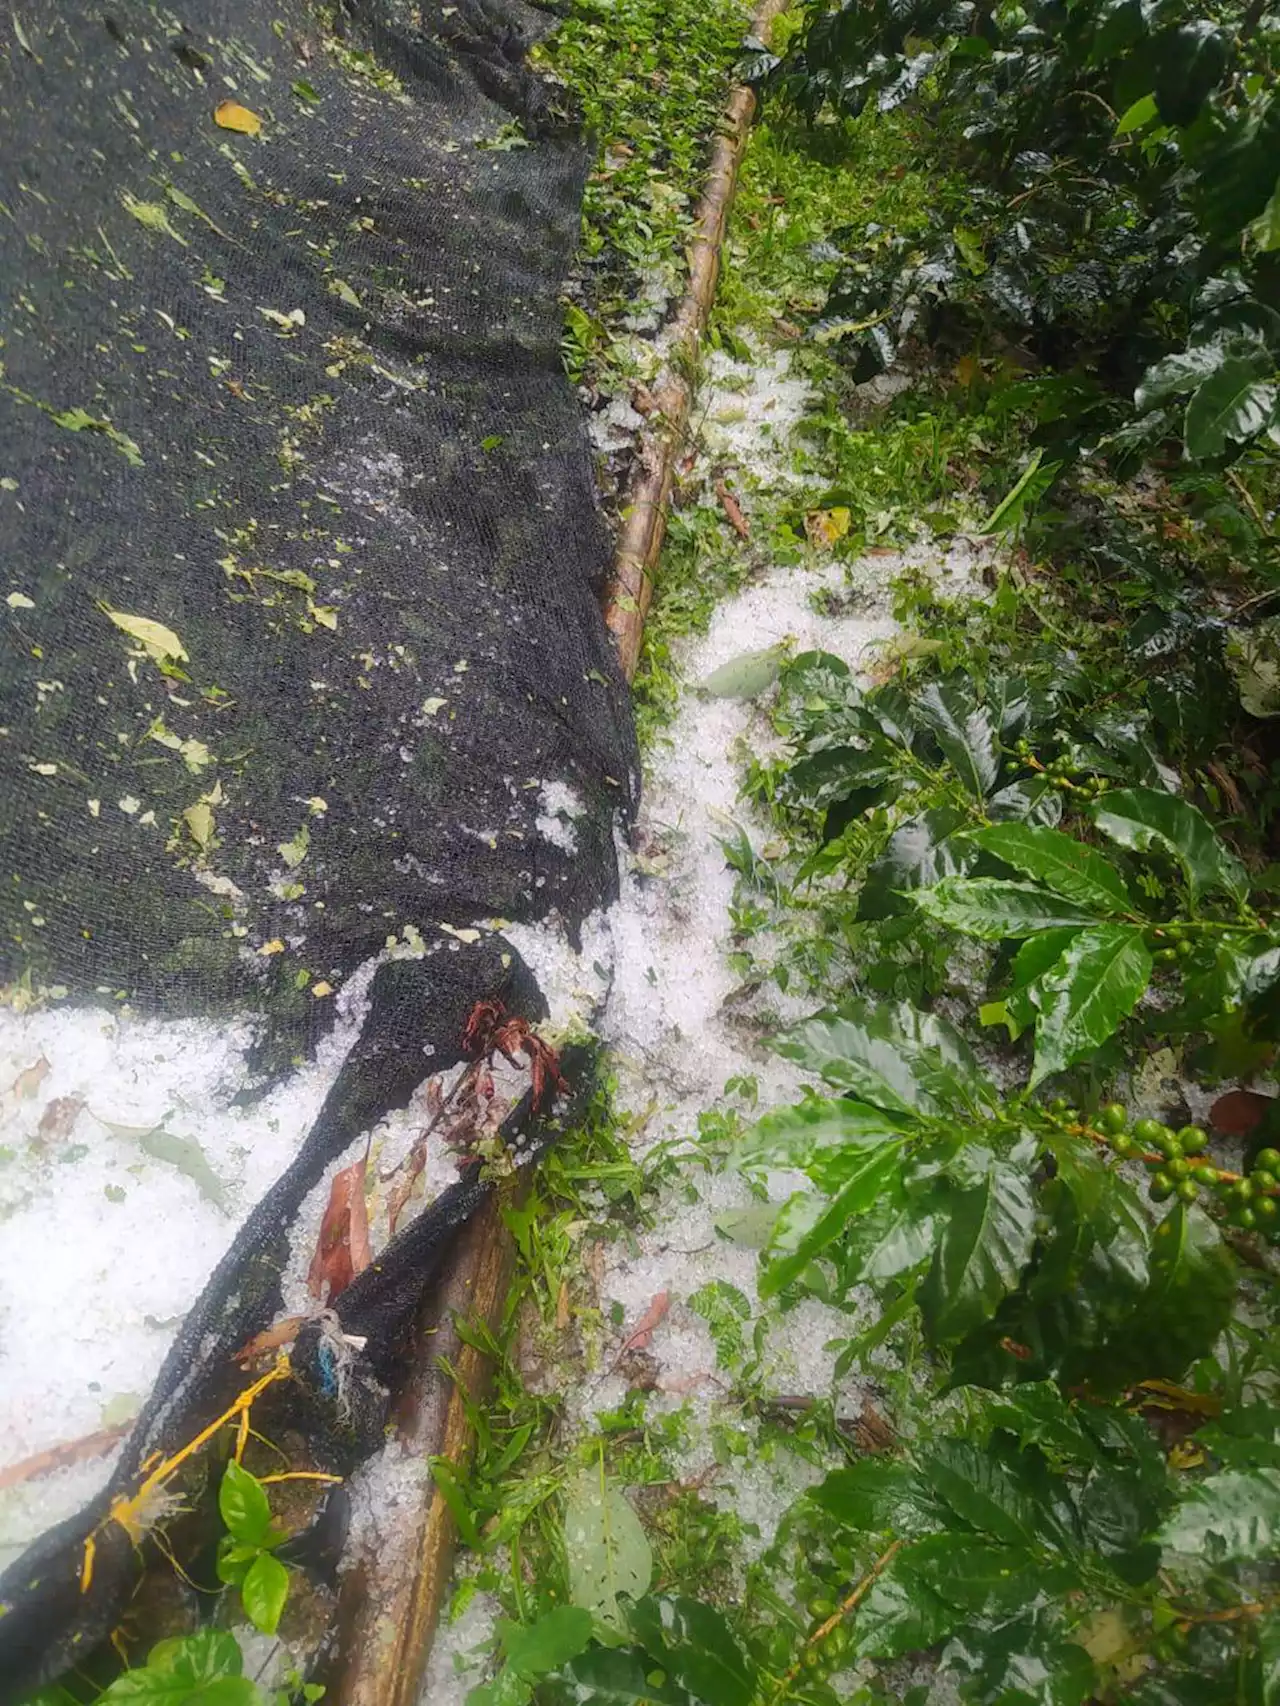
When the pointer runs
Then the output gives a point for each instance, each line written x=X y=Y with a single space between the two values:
x=1239 y=1112
x=733 y=510
x=640 y=1335
x=342 y=1249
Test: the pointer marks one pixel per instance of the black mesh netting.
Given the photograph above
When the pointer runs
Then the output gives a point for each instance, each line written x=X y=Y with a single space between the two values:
x=301 y=566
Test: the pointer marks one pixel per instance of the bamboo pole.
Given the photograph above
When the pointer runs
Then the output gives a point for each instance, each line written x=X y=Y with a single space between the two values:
x=644 y=515
x=390 y=1606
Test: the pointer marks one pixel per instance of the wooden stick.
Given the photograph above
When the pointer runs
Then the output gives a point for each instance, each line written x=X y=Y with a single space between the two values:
x=388 y=1608
x=644 y=516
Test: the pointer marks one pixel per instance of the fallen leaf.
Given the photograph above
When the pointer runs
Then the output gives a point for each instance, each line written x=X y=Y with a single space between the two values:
x=825 y=527
x=342 y=1247
x=230 y=115
x=153 y=216
x=58 y=1119
x=186 y=1155
x=274 y=946
x=199 y=821
x=640 y=1335
x=733 y=510
x=160 y=643
x=271 y=1338
x=562 y=1307
x=29 y=1080
x=1239 y=1112
x=744 y=677
x=60 y=1456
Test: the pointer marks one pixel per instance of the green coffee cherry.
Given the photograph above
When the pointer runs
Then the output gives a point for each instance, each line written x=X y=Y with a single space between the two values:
x=1245 y=1219
x=1263 y=1179
x=1193 y=1139
x=1122 y=1143
x=1058 y=1106
x=1161 y=1187
x=1268 y=1158
x=1205 y=1175
x=1113 y=1118
x=1188 y=1190
x=1147 y=1131
x=1266 y=1210
x=1179 y=1168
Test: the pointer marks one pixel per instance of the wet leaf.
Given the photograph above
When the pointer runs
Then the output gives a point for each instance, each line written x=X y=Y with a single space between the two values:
x=160 y=643
x=264 y=1591
x=200 y=823
x=342 y=1245
x=293 y=852
x=986 y=1242
x=1147 y=819
x=243 y=1506
x=1060 y=862
x=230 y=115
x=606 y=1549
x=744 y=677
x=1095 y=984
x=798 y=1241
x=1232 y=1515
x=29 y=1080
x=539 y=1648
x=186 y=1155
x=890 y=1055
x=992 y=909
x=153 y=216
x=965 y=732
x=695 y=1647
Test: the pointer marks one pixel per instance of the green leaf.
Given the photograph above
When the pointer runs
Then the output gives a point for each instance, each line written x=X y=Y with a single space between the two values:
x=617 y=1676
x=986 y=1243
x=877 y=1495
x=983 y=1492
x=1189 y=1297
x=890 y=1055
x=1189 y=64
x=918 y=853
x=535 y=1650
x=1268 y=1629
x=1231 y=406
x=977 y=1576
x=1265 y=229
x=869 y=1174
x=1010 y=512
x=1137 y=116
x=1060 y=862
x=1095 y=984
x=234 y=1558
x=695 y=1647
x=243 y=1505
x=1178 y=373
x=966 y=734
x=1233 y=1515
x=900 y=1615
x=1147 y=818
x=189 y=1670
x=993 y=909
x=264 y=1591
x=744 y=677
x=606 y=1548
x=797 y=1136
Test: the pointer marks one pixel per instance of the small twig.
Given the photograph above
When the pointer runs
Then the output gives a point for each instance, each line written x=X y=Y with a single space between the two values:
x=851 y=1604
x=1250 y=501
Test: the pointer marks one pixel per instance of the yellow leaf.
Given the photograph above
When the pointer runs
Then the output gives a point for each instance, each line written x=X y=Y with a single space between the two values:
x=467 y=936
x=230 y=115
x=826 y=526
x=159 y=642
x=199 y=820
x=276 y=946
x=325 y=615
x=1186 y=1455
x=319 y=989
